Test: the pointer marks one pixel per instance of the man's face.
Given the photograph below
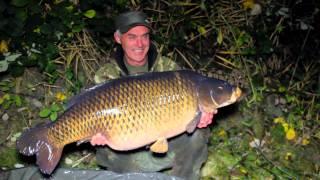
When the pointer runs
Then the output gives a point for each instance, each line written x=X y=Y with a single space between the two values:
x=135 y=44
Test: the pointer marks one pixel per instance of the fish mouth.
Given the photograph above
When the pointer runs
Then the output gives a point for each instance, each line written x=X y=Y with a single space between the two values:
x=235 y=96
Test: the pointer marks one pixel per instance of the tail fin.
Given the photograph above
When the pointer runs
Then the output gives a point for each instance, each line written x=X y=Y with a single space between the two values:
x=35 y=141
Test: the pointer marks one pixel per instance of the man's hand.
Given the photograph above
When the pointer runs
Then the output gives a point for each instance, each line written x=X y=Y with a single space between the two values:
x=98 y=139
x=206 y=118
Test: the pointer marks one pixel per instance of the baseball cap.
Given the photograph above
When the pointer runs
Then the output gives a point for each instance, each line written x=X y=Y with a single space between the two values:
x=130 y=19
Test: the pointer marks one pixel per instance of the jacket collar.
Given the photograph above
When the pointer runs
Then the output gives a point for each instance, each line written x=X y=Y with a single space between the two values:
x=119 y=54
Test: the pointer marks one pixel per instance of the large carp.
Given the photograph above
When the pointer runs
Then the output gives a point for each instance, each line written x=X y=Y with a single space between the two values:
x=129 y=113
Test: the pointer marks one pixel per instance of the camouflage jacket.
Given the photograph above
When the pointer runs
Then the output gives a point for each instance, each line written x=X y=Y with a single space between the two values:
x=116 y=68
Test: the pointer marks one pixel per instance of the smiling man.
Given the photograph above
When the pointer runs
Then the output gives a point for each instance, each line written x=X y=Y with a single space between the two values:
x=135 y=53
x=135 y=44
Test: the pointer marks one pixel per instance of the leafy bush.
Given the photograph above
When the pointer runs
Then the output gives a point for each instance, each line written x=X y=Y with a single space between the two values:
x=33 y=32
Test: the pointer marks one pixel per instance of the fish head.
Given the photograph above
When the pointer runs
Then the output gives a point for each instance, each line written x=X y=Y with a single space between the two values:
x=214 y=93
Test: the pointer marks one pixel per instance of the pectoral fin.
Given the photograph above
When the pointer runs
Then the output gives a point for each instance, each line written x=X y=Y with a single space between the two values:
x=160 y=146
x=193 y=124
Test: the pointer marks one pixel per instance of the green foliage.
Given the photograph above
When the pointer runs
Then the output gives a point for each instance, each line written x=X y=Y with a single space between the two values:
x=9 y=158
x=90 y=13
x=6 y=85
x=20 y=3
x=219 y=163
x=51 y=112
x=8 y=57
x=8 y=100
x=278 y=134
x=36 y=29
x=77 y=83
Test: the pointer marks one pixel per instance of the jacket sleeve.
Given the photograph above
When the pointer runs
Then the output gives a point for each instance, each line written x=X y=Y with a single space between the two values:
x=165 y=64
x=106 y=72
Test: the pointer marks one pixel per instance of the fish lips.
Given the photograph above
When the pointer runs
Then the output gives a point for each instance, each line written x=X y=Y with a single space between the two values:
x=224 y=101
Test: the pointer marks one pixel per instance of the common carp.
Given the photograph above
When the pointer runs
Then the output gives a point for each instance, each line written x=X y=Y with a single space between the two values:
x=129 y=113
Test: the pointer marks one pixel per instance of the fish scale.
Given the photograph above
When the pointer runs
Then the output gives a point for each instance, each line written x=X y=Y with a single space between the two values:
x=129 y=113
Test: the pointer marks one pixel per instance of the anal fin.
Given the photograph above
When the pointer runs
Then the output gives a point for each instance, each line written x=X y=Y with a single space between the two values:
x=160 y=146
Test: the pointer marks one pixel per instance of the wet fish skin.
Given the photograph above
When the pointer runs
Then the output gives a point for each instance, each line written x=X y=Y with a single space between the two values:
x=130 y=112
